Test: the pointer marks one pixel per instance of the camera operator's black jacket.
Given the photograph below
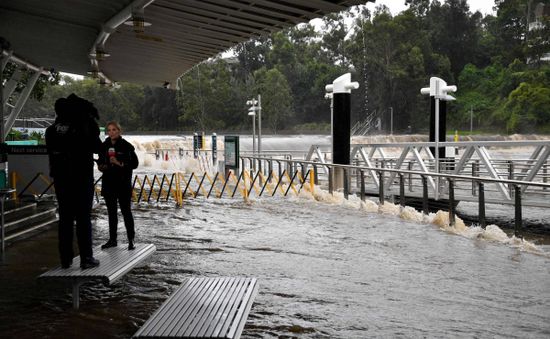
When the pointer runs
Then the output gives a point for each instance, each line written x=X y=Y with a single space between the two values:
x=118 y=180
x=71 y=142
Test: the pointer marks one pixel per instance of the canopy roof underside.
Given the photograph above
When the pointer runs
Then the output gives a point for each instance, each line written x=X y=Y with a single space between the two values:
x=60 y=34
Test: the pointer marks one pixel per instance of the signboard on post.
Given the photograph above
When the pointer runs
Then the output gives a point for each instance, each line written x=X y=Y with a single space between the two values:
x=231 y=153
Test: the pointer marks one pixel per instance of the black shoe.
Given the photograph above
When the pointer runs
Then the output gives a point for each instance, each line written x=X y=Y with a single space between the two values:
x=109 y=244
x=89 y=263
x=66 y=264
x=131 y=245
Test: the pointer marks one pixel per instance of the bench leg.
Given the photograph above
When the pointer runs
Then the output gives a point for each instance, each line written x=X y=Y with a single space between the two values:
x=76 y=294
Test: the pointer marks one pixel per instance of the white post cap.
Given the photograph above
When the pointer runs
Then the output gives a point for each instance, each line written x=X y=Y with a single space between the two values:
x=342 y=84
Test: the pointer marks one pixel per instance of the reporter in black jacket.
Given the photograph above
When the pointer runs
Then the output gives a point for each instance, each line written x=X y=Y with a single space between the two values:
x=116 y=160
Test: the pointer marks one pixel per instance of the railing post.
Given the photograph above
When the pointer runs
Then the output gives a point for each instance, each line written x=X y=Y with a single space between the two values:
x=518 y=217
x=270 y=169
x=316 y=175
x=362 y=185
x=544 y=175
x=381 y=187
x=475 y=172
x=425 y=195
x=401 y=190
x=346 y=183
x=330 y=188
x=481 y=203
x=451 y=202
x=510 y=174
x=410 y=176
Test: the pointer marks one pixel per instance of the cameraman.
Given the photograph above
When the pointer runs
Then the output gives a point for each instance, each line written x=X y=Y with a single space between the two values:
x=71 y=142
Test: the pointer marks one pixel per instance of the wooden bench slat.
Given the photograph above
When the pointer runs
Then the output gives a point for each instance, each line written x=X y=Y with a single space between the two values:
x=203 y=308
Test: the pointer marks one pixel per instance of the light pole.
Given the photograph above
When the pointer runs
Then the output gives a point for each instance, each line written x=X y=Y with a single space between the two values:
x=253 y=115
x=438 y=92
x=256 y=106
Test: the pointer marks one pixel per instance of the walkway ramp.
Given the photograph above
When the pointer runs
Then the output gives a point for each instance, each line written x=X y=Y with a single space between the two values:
x=203 y=308
x=115 y=262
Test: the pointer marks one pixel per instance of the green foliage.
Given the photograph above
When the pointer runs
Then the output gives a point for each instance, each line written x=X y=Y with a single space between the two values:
x=276 y=98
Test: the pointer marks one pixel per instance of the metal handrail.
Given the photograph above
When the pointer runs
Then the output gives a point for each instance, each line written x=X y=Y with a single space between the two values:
x=419 y=173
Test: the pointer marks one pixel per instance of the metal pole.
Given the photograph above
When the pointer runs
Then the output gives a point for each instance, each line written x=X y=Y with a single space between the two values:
x=401 y=190
x=381 y=187
x=425 y=195
x=346 y=186
x=259 y=125
x=518 y=221
x=436 y=193
x=362 y=185
x=481 y=203
x=451 y=203
x=254 y=134
x=330 y=188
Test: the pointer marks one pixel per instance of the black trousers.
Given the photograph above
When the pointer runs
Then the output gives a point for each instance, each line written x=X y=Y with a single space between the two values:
x=124 y=201
x=74 y=198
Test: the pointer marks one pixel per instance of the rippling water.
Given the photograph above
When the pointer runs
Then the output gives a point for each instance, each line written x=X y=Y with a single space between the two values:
x=326 y=269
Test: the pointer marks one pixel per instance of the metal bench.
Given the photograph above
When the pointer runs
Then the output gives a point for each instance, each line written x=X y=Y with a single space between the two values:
x=115 y=262
x=203 y=308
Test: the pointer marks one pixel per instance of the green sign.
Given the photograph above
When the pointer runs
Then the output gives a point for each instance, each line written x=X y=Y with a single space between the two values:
x=231 y=152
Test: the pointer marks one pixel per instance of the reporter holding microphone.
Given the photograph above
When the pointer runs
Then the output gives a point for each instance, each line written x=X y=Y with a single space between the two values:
x=117 y=160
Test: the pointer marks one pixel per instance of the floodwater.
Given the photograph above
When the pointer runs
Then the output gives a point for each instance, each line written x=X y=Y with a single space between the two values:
x=327 y=268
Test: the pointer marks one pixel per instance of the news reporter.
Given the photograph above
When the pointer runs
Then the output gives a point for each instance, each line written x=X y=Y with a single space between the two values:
x=117 y=160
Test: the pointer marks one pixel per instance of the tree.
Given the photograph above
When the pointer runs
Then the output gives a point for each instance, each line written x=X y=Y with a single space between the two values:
x=276 y=98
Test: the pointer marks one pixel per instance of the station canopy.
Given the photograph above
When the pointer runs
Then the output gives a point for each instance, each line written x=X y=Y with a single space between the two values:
x=146 y=41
